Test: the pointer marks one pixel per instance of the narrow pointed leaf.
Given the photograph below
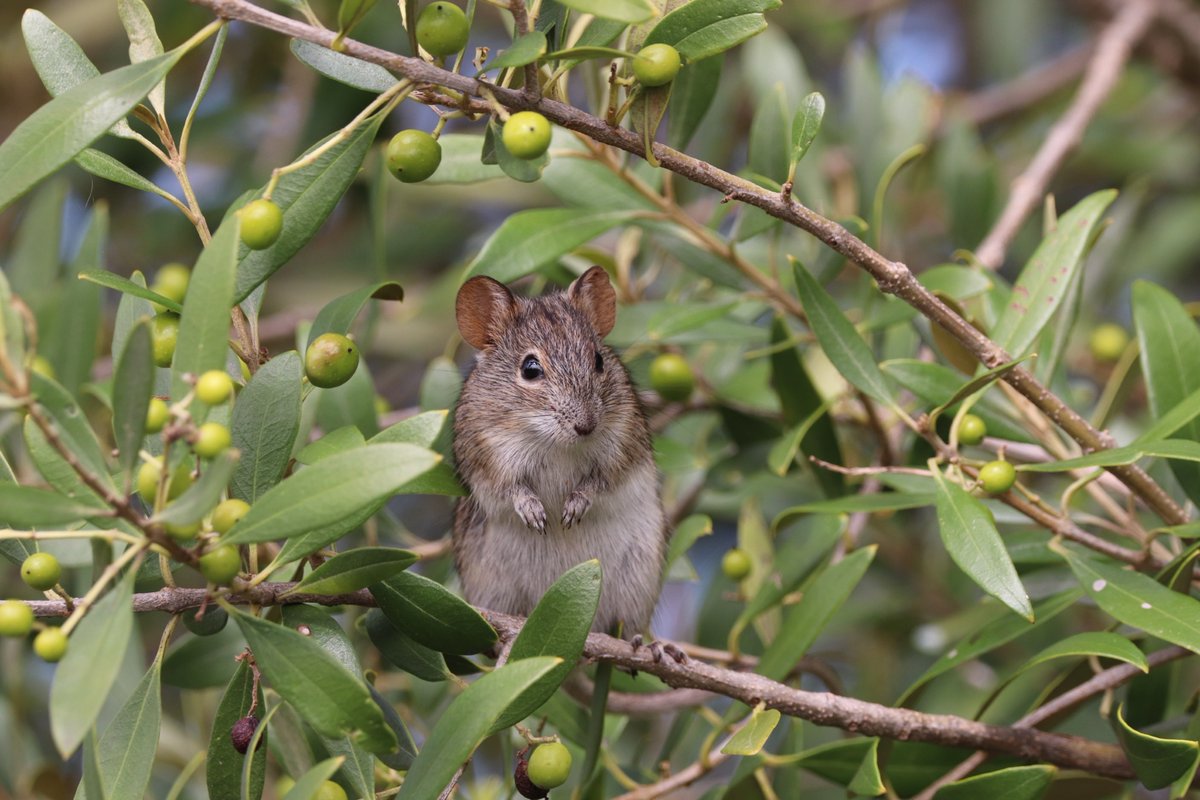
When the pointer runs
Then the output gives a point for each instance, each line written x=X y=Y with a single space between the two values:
x=838 y=338
x=133 y=383
x=59 y=130
x=752 y=737
x=432 y=615
x=126 y=286
x=465 y=724
x=685 y=535
x=333 y=496
x=799 y=400
x=704 y=28
x=266 y=418
x=309 y=784
x=29 y=507
x=204 y=326
x=970 y=536
x=144 y=43
x=338 y=315
x=630 y=11
x=317 y=685
x=807 y=124
x=1139 y=600
x=127 y=746
x=867 y=781
x=529 y=240
x=87 y=672
x=1042 y=286
x=422 y=429
x=403 y=651
x=524 y=50
x=343 y=68
x=355 y=569
x=1157 y=762
x=1013 y=783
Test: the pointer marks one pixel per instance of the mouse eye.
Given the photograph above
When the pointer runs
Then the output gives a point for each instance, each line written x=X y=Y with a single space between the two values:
x=599 y=362
x=531 y=368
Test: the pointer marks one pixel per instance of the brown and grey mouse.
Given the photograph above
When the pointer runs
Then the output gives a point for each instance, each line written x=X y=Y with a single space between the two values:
x=551 y=440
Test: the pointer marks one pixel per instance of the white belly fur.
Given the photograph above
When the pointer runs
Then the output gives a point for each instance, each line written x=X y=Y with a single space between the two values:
x=623 y=529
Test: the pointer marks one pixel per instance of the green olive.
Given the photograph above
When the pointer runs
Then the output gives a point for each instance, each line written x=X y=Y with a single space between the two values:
x=157 y=414
x=671 y=377
x=413 y=155
x=221 y=564
x=16 y=618
x=526 y=134
x=165 y=334
x=1108 y=341
x=41 y=571
x=442 y=29
x=171 y=281
x=656 y=65
x=214 y=387
x=50 y=644
x=227 y=514
x=262 y=222
x=330 y=360
x=736 y=564
x=997 y=477
x=550 y=765
x=971 y=430
x=212 y=439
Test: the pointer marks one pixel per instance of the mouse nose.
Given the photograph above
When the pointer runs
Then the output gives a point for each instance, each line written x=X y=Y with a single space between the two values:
x=584 y=427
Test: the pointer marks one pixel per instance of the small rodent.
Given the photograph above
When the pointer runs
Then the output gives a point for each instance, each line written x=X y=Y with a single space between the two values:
x=553 y=443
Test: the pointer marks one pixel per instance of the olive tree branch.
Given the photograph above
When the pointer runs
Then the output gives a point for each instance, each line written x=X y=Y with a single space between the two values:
x=856 y=716
x=892 y=277
x=1113 y=48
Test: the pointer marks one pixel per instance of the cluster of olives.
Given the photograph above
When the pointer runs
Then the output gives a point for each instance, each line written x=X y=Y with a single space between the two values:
x=40 y=571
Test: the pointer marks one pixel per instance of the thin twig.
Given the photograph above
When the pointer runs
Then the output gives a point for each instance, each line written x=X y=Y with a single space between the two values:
x=1027 y=89
x=1113 y=48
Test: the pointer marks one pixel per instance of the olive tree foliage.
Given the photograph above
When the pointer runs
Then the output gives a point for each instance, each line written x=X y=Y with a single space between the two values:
x=905 y=626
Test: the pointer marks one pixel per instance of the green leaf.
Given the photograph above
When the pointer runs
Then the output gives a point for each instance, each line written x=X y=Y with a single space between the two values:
x=202 y=496
x=685 y=535
x=92 y=785
x=350 y=13
x=799 y=399
x=126 y=286
x=1138 y=600
x=204 y=662
x=144 y=43
x=692 y=94
x=317 y=685
x=631 y=11
x=133 y=383
x=558 y=626
x=404 y=653
x=87 y=672
x=306 y=197
x=1000 y=631
x=974 y=385
x=310 y=782
x=803 y=622
x=343 y=68
x=204 y=326
x=807 y=124
x=1172 y=420
x=1042 y=285
x=969 y=533
x=752 y=737
x=432 y=615
x=460 y=161
x=266 y=418
x=1167 y=336
x=71 y=342
x=703 y=28
x=1013 y=783
x=127 y=747
x=338 y=315
x=1173 y=449
x=866 y=780
x=856 y=503
x=333 y=496
x=841 y=343
x=530 y=240
x=73 y=429
x=27 y=507
x=525 y=49
x=59 y=130
x=1158 y=763
x=1092 y=643
x=338 y=441
x=936 y=383
x=465 y=724
x=422 y=429
x=355 y=569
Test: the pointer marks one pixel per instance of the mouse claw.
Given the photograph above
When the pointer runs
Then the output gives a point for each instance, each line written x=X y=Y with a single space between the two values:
x=576 y=506
x=658 y=648
x=532 y=512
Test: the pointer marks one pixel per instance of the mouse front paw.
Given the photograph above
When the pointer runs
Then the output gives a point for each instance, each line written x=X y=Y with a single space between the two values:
x=576 y=506
x=531 y=511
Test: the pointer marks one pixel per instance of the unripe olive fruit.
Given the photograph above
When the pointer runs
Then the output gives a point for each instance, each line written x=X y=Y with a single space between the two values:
x=656 y=64
x=182 y=531
x=227 y=514
x=171 y=281
x=971 y=429
x=283 y=786
x=43 y=367
x=214 y=387
x=147 y=480
x=221 y=564
x=413 y=155
x=181 y=481
x=997 y=477
x=164 y=335
x=330 y=791
x=550 y=765
x=442 y=29
x=212 y=439
x=330 y=360
x=262 y=221
x=16 y=618
x=41 y=571
x=736 y=564
x=1108 y=341
x=50 y=644
x=212 y=622
x=671 y=377
x=157 y=414
x=526 y=134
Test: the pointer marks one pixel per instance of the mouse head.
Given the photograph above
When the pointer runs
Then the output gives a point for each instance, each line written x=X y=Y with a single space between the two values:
x=544 y=356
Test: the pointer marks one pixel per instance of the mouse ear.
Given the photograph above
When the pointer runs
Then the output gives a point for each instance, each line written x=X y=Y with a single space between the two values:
x=592 y=293
x=484 y=308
